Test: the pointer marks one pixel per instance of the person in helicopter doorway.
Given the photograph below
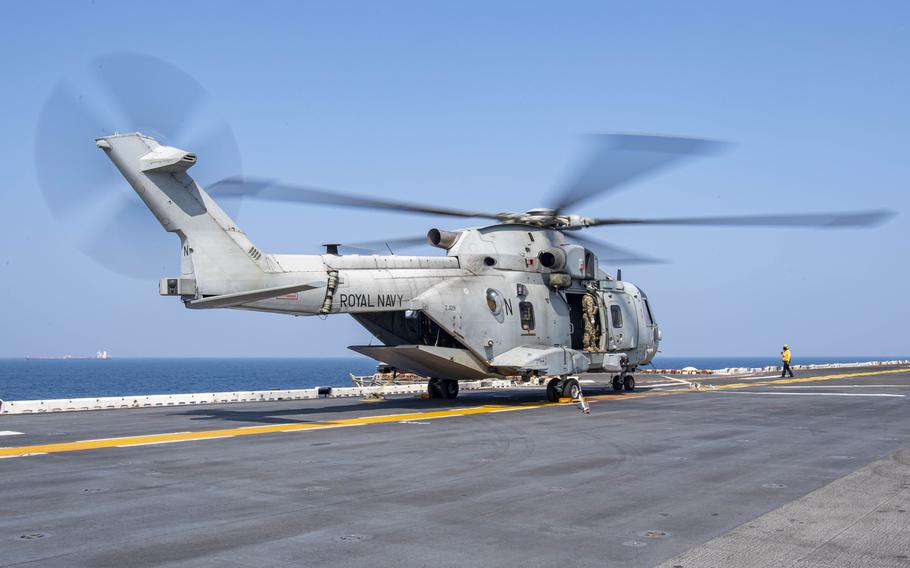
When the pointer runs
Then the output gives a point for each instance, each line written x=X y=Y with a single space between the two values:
x=591 y=340
x=785 y=359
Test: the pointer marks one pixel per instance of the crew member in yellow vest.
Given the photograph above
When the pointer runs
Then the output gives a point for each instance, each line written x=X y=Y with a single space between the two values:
x=785 y=359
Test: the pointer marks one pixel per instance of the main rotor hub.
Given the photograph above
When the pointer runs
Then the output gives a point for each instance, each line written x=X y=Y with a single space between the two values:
x=541 y=212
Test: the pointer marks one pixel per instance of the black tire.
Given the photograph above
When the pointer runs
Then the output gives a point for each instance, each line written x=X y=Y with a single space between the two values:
x=570 y=389
x=617 y=383
x=553 y=390
x=629 y=383
x=434 y=388
x=449 y=388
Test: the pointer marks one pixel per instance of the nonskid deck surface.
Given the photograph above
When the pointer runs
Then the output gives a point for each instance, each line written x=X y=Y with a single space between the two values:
x=496 y=478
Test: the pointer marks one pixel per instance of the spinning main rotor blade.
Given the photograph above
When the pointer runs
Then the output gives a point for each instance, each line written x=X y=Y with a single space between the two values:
x=271 y=190
x=853 y=219
x=383 y=246
x=611 y=253
x=617 y=159
x=123 y=92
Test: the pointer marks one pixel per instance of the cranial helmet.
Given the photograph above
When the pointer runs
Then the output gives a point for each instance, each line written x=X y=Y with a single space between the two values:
x=592 y=286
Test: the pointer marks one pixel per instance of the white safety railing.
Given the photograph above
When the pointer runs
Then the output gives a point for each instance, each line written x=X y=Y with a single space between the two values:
x=770 y=368
x=191 y=399
x=777 y=368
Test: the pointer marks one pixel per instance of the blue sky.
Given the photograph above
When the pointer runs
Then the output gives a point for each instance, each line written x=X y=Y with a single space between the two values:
x=482 y=105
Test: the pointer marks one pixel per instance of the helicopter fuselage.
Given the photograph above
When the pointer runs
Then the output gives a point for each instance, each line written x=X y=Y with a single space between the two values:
x=505 y=300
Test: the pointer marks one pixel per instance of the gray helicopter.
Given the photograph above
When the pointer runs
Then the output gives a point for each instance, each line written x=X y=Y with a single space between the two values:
x=505 y=300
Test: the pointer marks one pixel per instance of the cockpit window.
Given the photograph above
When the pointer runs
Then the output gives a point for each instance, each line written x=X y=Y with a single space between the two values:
x=648 y=316
x=616 y=315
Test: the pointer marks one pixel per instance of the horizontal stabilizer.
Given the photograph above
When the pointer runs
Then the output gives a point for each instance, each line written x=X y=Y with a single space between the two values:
x=240 y=298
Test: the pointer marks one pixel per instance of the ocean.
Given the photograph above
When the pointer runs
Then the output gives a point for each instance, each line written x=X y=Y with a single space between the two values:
x=30 y=379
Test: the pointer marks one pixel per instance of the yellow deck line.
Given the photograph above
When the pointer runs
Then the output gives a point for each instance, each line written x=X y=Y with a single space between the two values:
x=149 y=439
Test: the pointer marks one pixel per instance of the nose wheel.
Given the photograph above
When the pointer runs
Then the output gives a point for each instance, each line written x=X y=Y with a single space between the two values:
x=624 y=383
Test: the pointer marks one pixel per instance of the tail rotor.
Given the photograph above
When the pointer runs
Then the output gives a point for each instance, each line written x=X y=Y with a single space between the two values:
x=124 y=92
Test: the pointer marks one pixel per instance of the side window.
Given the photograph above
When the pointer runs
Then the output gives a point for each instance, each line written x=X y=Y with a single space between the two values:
x=526 y=313
x=616 y=315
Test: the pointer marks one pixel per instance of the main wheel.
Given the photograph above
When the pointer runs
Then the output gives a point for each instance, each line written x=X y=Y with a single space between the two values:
x=617 y=383
x=570 y=389
x=449 y=388
x=629 y=383
x=434 y=388
x=553 y=390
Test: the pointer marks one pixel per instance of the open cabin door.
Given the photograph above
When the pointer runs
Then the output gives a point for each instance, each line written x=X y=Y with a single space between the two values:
x=576 y=320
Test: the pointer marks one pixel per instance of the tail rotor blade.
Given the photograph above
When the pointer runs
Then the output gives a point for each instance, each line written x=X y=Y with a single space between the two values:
x=218 y=154
x=70 y=174
x=217 y=151
x=151 y=95
x=129 y=240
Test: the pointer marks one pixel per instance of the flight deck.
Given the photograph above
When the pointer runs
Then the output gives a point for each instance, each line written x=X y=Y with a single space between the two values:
x=685 y=471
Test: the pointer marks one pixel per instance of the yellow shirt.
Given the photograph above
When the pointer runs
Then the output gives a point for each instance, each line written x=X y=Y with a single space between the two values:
x=785 y=356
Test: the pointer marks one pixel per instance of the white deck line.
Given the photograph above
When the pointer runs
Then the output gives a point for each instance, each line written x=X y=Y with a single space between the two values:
x=843 y=387
x=675 y=380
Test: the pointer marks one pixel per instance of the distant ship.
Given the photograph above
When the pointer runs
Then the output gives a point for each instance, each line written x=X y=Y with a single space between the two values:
x=103 y=354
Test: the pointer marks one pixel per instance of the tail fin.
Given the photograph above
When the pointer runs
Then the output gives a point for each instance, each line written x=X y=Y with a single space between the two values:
x=215 y=252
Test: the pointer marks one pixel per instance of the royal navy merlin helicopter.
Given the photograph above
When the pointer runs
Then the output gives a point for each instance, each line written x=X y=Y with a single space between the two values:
x=505 y=300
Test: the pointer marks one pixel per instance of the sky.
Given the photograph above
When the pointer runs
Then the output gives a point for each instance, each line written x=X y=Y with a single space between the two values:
x=485 y=105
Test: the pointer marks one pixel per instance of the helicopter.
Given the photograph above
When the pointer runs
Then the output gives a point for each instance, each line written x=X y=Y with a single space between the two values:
x=505 y=300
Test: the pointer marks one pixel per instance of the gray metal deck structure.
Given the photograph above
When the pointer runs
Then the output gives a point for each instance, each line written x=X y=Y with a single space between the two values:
x=752 y=473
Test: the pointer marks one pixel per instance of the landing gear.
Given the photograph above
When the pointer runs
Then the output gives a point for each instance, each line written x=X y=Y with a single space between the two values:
x=449 y=389
x=563 y=388
x=570 y=388
x=442 y=388
x=617 y=383
x=554 y=390
x=623 y=382
x=566 y=387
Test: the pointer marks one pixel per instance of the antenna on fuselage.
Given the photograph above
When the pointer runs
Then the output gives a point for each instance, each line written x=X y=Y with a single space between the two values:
x=619 y=274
